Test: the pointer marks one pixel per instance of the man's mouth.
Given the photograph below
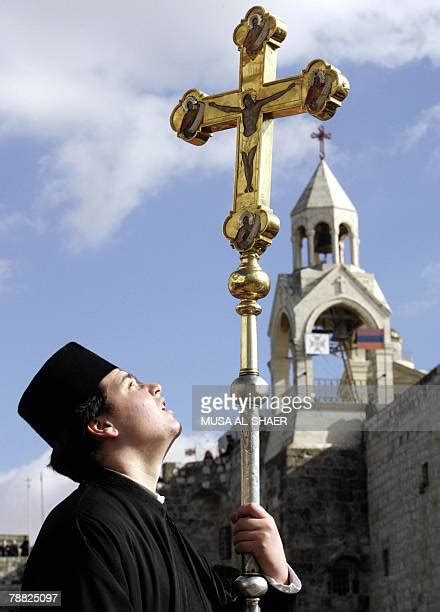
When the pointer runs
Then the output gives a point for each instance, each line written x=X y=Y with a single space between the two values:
x=165 y=409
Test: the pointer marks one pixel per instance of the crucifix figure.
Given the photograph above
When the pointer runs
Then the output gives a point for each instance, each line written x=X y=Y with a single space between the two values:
x=250 y=114
x=321 y=135
x=251 y=224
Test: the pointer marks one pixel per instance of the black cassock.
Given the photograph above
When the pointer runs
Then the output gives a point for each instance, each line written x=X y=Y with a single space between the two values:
x=111 y=546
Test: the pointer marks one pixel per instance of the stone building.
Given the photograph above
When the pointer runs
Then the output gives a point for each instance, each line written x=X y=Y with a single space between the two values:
x=403 y=462
x=345 y=482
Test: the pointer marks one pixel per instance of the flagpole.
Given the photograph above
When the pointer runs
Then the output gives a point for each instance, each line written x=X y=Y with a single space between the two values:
x=42 y=496
x=28 y=510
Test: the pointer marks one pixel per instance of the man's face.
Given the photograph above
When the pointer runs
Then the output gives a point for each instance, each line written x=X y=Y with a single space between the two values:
x=138 y=411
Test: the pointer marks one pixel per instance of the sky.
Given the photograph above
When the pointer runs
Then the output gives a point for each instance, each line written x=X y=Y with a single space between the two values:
x=110 y=226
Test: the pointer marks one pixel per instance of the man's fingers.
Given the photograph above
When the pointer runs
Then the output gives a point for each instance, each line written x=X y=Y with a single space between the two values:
x=247 y=536
x=251 y=509
x=245 y=547
x=248 y=524
x=234 y=517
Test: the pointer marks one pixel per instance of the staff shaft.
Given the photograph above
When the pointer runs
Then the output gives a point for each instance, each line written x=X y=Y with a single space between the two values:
x=248 y=284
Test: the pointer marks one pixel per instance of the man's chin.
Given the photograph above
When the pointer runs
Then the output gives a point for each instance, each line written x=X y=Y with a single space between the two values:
x=176 y=434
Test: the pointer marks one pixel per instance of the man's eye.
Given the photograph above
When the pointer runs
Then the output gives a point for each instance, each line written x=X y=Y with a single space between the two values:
x=133 y=382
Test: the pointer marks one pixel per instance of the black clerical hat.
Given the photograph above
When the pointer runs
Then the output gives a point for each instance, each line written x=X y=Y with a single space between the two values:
x=65 y=381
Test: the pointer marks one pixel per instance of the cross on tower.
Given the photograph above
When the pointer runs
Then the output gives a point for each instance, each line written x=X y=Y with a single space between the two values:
x=321 y=135
x=318 y=90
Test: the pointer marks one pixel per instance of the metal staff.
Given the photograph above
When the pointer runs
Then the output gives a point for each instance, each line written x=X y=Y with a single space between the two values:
x=248 y=284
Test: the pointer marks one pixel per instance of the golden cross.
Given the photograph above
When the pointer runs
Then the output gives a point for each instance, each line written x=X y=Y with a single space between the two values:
x=251 y=224
x=319 y=90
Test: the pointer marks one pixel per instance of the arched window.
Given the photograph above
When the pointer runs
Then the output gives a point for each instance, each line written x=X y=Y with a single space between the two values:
x=343 y=577
x=322 y=241
x=345 y=244
x=301 y=237
x=280 y=363
x=224 y=542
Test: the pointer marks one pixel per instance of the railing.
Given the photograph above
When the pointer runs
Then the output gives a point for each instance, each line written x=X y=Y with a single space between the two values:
x=335 y=391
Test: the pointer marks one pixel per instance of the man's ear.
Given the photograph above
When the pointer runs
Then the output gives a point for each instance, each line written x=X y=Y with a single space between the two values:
x=100 y=429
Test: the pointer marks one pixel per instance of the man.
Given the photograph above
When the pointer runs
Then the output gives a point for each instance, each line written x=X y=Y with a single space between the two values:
x=13 y=550
x=111 y=545
x=24 y=548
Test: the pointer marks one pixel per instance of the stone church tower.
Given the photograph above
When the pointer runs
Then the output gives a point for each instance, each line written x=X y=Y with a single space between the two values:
x=327 y=291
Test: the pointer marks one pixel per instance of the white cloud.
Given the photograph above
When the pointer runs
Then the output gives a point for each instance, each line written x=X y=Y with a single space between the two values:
x=430 y=297
x=14 y=491
x=11 y=221
x=426 y=121
x=95 y=81
x=106 y=169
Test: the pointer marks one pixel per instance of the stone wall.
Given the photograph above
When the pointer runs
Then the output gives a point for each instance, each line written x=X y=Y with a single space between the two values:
x=403 y=458
x=324 y=524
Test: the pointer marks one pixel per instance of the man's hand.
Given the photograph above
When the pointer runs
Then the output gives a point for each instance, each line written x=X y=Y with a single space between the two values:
x=256 y=532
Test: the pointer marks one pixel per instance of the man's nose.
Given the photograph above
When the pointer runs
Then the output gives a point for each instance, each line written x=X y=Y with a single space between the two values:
x=155 y=388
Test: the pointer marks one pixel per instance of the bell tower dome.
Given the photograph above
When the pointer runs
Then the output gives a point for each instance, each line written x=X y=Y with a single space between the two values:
x=324 y=220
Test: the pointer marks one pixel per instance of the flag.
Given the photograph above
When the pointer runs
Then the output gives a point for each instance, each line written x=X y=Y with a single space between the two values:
x=370 y=338
x=317 y=344
x=190 y=451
